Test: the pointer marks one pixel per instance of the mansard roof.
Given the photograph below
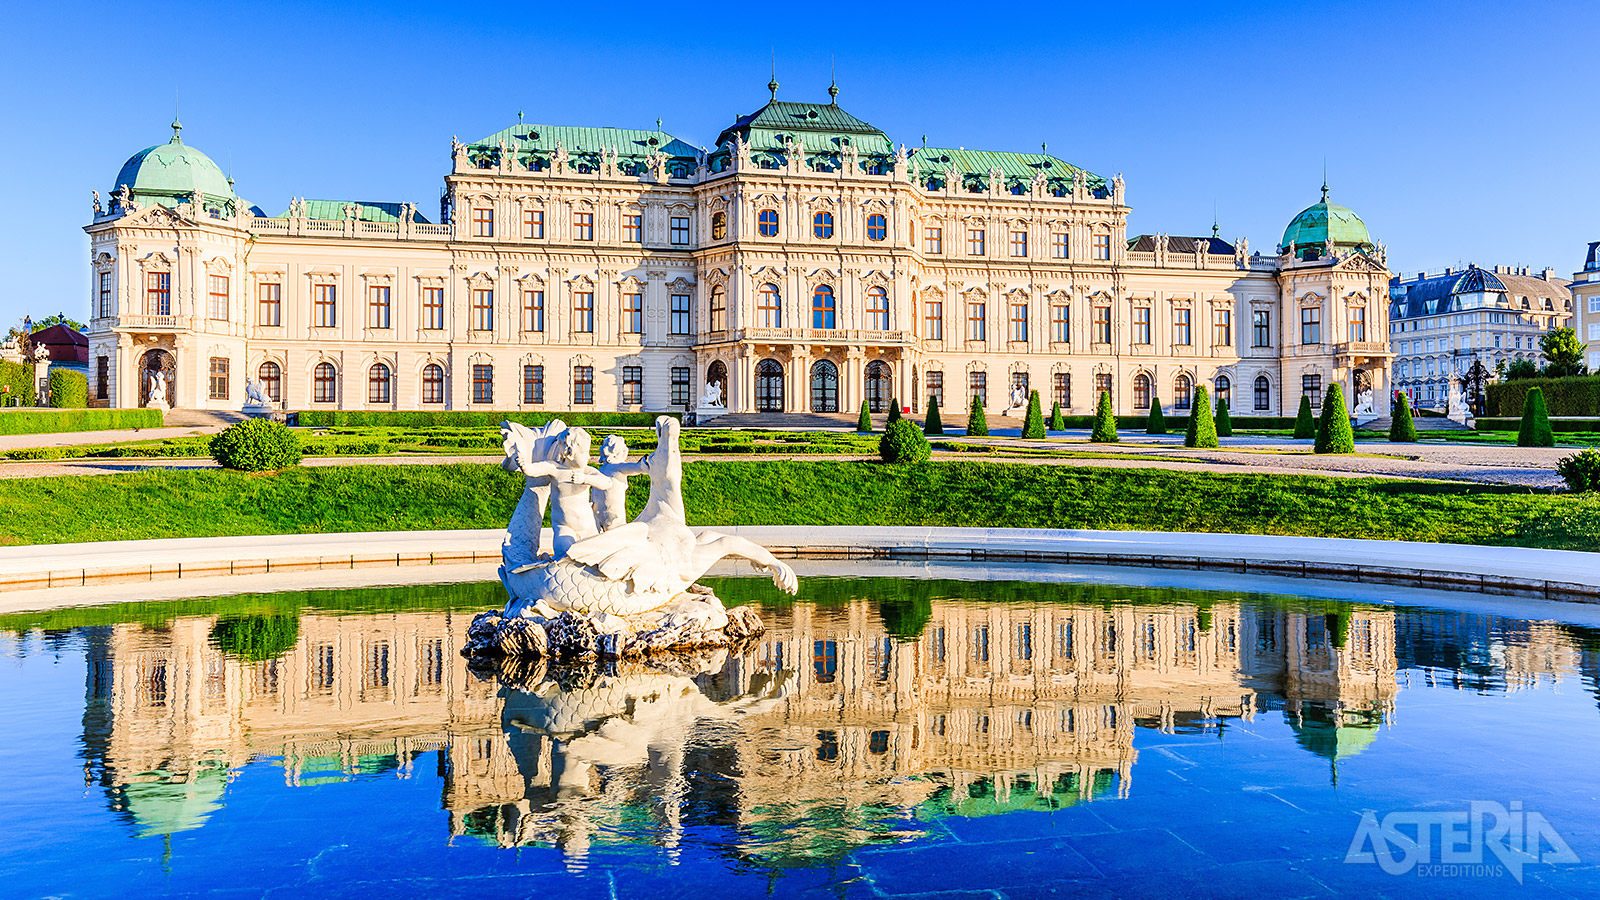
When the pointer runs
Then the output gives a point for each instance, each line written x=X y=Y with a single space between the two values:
x=783 y=117
x=366 y=211
x=1018 y=169
x=1437 y=294
x=1146 y=243
x=536 y=144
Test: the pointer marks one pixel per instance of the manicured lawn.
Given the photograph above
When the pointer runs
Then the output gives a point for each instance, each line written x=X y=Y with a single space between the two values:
x=177 y=503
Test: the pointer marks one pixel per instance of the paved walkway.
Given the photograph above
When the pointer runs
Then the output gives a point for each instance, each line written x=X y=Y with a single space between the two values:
x=121 y=435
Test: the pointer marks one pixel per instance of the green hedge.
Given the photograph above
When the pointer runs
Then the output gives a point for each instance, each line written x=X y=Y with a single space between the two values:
x=1567 y=425
x=50 y=421
x=16 y=380
x=318 y=418
x=1178 y=423
x=1575 y=396
x=68 y=389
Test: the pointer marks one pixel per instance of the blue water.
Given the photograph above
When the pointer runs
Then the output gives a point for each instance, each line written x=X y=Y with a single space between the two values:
x=883 y=740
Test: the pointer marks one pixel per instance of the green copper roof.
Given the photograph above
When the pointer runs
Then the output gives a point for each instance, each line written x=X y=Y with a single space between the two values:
x=172 y=172
x=366 y=211
x=1017 y=169
x=784 y=117
x=1323 y=223
x=537 y=143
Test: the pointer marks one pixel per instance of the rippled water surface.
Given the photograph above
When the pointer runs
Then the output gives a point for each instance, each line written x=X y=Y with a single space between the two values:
x=884 y=737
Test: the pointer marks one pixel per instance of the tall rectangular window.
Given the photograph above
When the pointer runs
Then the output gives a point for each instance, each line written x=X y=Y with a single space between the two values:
x=1311 y=386
x=978 y=386
x=936 y=387
x=324 y=308
x=482 y=222
x=433 y=308
x=219 y=378
x=269 y=304
x=877 y=309
x=217 y=297
x=1222 y=327
x=1102 y=384
x=378 y=306
x=1060 y=324
x=1102 y=325
x=533 y=384
x=769 y=307
x=533 y=310
x=1019 y=321
x=1261 y=328
x=933 y=240
x=533 y=223
x=583 y=226
x=1358 y=324
x=1019 y=243
x=633 y=313
x=680 y=230
x=977 y=314
x=632 y=385
x=582 y=311
x=1061 y=388
x=1141 y=325
x=975 y=241
x=933 y=320
x=1182 y=326
x=633 y=228
x=1311 y=325
x=102 y=378
x=1101 y=246
x=158 y=294
x=105 y=294
x=583 y=385
x=1058 y=245
x=483 y=309
x=681 y=389
x=719 y=309
x=682 y=321
x=482 y=383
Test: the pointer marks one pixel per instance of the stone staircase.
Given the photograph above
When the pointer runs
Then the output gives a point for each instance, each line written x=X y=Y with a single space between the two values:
x=788 y=421
x=1422 y=423
x=199 y=418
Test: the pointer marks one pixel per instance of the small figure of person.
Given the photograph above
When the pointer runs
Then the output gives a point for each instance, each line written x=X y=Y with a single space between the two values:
x=611 y=502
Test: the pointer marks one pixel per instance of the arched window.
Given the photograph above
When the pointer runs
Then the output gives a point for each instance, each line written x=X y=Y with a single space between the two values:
x=324 y=382
x=1224 y=390
x=378 y=384
x=433 y=383
x=1182 y=392
x=769 y=307
x=272 y=380
x=877 y=309
x=719 y=225
x=877 y=227
x=1263 y=393
x=767 y=222
x=719 y=309
x=824 y=387
x=822 y=224
x=822 y=307
x=769 y=386
x=879 y=388
x=1141 y=391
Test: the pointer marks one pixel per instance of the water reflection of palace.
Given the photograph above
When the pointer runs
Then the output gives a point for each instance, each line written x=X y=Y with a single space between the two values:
x=830 y=718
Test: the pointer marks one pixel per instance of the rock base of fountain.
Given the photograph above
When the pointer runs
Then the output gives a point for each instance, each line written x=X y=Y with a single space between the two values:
x=693 y=620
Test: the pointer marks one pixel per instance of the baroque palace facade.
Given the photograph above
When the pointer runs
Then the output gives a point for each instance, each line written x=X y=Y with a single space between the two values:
x=806 y=263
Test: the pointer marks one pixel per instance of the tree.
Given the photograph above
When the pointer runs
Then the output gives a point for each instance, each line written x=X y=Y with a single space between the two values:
x=1058 y=422
x=1224 y=421
x=932 y=424
x=1562 y=352
x=864 y=423
x=1105 y=421
x=1334 y=434
x=1156 y=422
x=74 y=324
x=1305 y=424
x=1535 y=430
x=1519 y=369
x=1402 y=430
x=903 y=443
x=977 y=423
x=1202 y=430
x=894 y=413
x=1033 y=421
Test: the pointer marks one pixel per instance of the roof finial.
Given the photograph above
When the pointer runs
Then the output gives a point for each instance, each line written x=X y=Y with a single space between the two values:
x=1044 y=148
x=833 y=84
x=1215 y=230
x=177 y=126
x=1324 y=179
x=658 y=123
x=519 y=117
x=773 y=84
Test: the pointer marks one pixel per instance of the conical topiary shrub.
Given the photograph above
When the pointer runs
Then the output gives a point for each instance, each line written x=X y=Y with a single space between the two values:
x=1105 y=421
x=1402 y=429
x=1058 y=422
x=1033 y=422
x=1202 y=430
x=1224 y=421
x=864 y=423
x=1305 y=424
x=933 y=424
x=1535 y=430
x=894 y=413
x=977 y=423
x=1333 y=428
x=1156 y=422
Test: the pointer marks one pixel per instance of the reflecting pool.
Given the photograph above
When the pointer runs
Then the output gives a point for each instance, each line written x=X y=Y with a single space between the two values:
x=885 y=736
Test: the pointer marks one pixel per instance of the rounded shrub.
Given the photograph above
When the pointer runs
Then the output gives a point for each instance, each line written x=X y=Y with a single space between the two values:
x=1156 y=422
x=1202 y=429
x=1581 y=470
x=1535 y=431
x=1402 y=428
x=1333 y=429
x=1105 y=421
x=1033 y=422
x=933 y=424
x=902 y=442
x=977 y=422
x=68 y=389
x=255 y=445
x=1305 y=424
x=256 y=638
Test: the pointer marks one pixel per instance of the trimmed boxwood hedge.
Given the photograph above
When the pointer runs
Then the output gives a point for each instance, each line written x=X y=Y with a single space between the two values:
x=68 y=389
x=1563 y=425
x=1578 y=395
x=16 y=386
x=52 y=421
x=406 y=418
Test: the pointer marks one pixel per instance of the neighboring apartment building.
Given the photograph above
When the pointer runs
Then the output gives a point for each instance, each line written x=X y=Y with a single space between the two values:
x=1586 y=305
x=806 y=263
x=1440 y=323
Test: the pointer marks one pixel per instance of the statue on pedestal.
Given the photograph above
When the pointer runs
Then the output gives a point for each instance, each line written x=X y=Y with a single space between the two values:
x=158 y=391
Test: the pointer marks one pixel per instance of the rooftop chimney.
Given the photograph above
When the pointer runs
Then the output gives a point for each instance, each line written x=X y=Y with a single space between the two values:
x=1549 y=274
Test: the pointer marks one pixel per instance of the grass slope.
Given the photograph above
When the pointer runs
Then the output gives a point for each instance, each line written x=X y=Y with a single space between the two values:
x=178 y=503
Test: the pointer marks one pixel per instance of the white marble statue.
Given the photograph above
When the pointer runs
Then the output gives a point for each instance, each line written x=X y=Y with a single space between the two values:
x=255 y=393
x=630 y=569
x=712 y=398
x=158 y=390
x=1364 y=402
x=1019 y=397
x=611 y=502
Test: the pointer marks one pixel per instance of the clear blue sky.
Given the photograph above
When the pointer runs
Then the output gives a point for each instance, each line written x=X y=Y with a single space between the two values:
x=1461 y=132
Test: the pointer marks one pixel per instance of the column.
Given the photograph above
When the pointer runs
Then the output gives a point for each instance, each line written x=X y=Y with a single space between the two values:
x=799 y=393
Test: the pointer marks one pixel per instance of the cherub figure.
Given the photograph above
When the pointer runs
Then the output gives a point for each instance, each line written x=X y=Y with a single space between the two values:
x=611 y=502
